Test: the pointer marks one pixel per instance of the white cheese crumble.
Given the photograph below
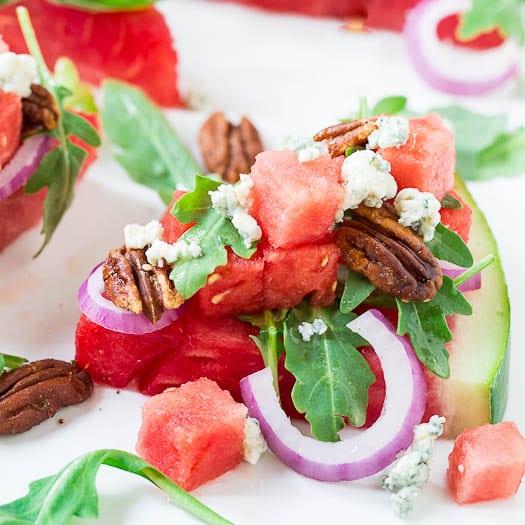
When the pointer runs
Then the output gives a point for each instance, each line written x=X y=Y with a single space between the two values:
x=316 y=327
x=161 y=251
x=254 y=444
x=234 y=201
x=391 y=131
x=366 y=178
x=17 y=73
x=307 y=148
x=412 y=468
x=138 y=237
x=418 y=210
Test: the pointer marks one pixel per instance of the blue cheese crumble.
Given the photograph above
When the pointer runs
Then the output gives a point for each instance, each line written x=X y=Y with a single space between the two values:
x=308 y=330
x=390 y=132
x=161 y=251
x=138 y=237
x=418 y=210
x=307 y=148
x=233 y=202
x=254 y=445
x=366 y=178
x=17 y=73
x=411 y=470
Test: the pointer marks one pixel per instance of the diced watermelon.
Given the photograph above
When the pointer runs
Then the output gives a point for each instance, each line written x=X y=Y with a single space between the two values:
x=116 y=358
x=459 y=220
x=486 y=463
x=173 y=228
x=427 y=161
x=447 y=30
x=193 y=433
x=295 y=203
x=134 y=46
x=10 y=125
x=218 y=348
x=291 y=274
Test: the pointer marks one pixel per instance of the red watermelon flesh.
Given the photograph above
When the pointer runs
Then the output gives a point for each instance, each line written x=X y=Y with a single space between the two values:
x=447 y=28
x=427 y=161
x=295 y=203
x=459 y=220
x=133 y=46
x=10 y=125
x=193 y=433
x=173 y=228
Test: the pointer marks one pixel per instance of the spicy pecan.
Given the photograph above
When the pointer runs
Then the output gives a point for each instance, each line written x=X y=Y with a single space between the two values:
x=227 y=149
x=392 y=256
x=132 y=283
x=346 y=135
x=39 y=111
x=36 y=391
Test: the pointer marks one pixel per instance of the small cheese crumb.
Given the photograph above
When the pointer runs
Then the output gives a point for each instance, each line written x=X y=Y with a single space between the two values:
x=234 y=201
x=138 y=237
x=316 y=327
x=254 y=444
x=161 y=251
x=17 y=73
x=392 y=131
x=418 y=210
x=307 y=148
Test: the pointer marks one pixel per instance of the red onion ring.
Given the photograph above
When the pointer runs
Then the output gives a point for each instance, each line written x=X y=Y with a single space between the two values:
x=453 y=271
x=104 y=313
x=453 y=69
x=24 y=163
x=360 y=453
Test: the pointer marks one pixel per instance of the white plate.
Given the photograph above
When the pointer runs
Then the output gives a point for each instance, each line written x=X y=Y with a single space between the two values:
x=291 y=75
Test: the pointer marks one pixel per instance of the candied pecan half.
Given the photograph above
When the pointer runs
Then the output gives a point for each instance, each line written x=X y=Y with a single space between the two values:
x=227 y=149
x=39 y=111
x=130 y=282
x=393 y=257
x=36 y=391
x=346 y=135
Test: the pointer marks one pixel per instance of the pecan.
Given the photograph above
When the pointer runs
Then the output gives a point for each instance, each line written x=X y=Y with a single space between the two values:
x=130 y=282
x=39 y=110
x=346 y=135
x=36 y=391
x=227 y=149
x=392 y=256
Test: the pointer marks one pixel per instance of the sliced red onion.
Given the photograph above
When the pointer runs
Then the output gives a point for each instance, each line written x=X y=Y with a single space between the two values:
x=104 y=313
x=453 y=271
x=360 y=453
x=25 y=162
x=454 y=69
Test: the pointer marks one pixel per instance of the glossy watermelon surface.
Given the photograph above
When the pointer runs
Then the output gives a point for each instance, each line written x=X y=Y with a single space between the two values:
x=134 y=46
x=10 y=125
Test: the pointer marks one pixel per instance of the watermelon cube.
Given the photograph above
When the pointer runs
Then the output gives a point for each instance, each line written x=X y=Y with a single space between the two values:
x=459 y=220
x=173 y=228
x=486 y=463
x=427 y=160
x=295 y=203
x=10 y=125
x=193 y=433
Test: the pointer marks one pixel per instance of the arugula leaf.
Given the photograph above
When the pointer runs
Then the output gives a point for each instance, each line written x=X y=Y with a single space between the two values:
x=486 y=15
x=389 y=105
x=357 y=289
x=449 y=246
x=332 y=377
x=107 y=5
x=213 y=232
x=80 y=97
x=505 y=157
x=60 y=168
x=145 y=143
x=9 y=362
x=55 y=500
x=426 y=325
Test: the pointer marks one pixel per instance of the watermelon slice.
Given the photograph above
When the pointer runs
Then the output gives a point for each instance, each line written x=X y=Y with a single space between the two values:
x=193 y=433
x=486 y=463
x=10 y=125
x=133 y=46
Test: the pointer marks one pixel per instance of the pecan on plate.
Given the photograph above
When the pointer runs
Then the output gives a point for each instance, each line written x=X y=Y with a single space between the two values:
x=227 y=149
x=346 y=135
x=39 y=111
x=392 y=256
x=130 y=282
x=36 y=391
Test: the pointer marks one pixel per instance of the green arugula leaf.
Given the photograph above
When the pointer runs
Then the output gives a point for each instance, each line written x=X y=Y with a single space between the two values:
x=66 y=159
x=505 y=157
x=193 y=206
x=449 y=246
x=107 y=5
x=486 y=15
x=389 y=105
x=80 y=97
x=427 y=328
x=332 y=377
x=55 y=500
x=357 y=289
x=10 y=362
x=451 y=203
x=146 y=145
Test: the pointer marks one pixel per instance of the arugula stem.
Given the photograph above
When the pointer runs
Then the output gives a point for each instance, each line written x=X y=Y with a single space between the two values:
x=364 y=110
x=270 y=357
x=473 y=270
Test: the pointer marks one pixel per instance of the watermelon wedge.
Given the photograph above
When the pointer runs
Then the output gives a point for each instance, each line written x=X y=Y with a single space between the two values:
x=134 y=46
